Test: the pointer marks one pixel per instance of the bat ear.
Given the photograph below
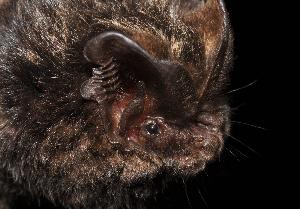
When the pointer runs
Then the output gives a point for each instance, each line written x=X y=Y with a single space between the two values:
x=125 y=52
x=170 y=83
x=211 y=21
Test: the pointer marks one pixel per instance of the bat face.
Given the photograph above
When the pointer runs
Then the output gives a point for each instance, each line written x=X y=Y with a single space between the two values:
x=97 y=96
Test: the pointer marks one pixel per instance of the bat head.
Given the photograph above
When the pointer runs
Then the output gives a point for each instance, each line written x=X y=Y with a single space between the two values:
x=149 y=104
x=97 y=96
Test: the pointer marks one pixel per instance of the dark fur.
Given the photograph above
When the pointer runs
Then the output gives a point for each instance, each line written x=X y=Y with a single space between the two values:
x=55 y=144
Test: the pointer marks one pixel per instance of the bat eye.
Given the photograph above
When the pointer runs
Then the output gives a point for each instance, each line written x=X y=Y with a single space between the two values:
x=151 y=128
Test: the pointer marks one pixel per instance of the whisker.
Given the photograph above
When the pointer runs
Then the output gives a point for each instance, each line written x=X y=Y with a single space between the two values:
x=202 y=197
x=243 y=144
x=186 y=193
x=231 y=152
x=250 y=125
x=241 y=88
x=232 y=109
x=237 y=151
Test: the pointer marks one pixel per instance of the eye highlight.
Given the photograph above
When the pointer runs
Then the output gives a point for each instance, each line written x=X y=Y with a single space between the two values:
x=151 y=128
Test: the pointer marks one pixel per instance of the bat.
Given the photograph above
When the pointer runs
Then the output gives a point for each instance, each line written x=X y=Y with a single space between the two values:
x=99 y=99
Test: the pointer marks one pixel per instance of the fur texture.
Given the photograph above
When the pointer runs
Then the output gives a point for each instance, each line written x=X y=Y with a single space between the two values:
x=57 y=144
